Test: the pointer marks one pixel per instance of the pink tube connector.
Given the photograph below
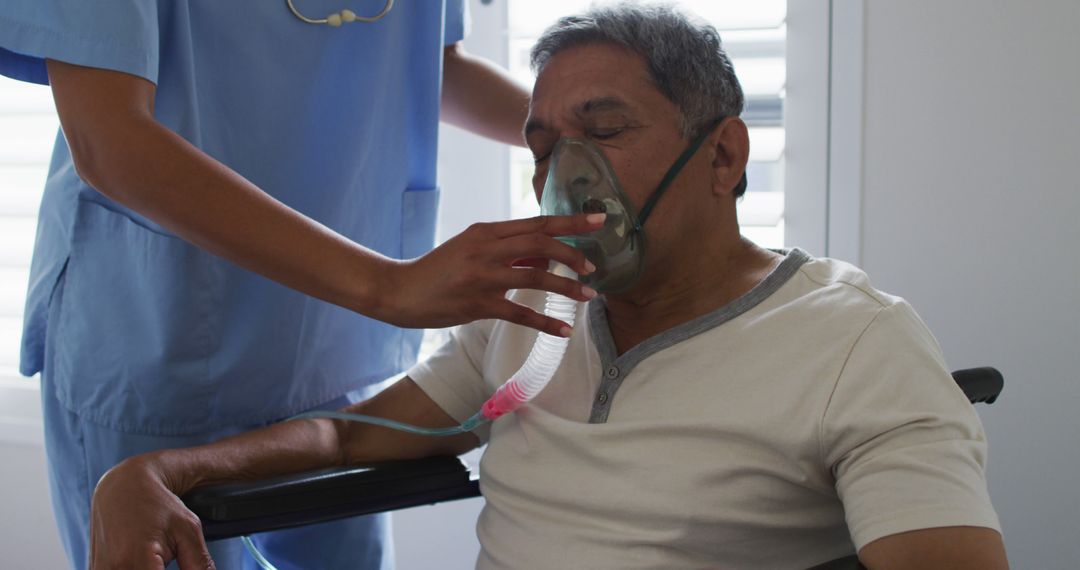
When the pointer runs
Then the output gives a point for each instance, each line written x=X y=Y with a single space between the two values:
x=505 y=400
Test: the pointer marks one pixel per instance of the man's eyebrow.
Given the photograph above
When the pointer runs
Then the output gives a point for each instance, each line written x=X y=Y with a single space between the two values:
x=597 y=105
x=601 y=104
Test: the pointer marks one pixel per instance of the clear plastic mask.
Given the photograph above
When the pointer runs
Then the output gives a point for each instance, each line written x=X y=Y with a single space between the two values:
x=580 y=180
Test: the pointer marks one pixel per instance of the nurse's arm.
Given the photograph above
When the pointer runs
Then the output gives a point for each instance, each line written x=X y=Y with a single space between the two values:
x=122 y=151
x=959 y=547
x=481 y=97
x=138 y=521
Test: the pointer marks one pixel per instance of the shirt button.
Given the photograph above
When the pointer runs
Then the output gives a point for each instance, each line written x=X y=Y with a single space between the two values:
x=612 y=371
x=602 y=398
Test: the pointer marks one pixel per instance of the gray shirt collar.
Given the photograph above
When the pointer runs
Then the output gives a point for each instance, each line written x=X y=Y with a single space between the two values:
x=616 y=368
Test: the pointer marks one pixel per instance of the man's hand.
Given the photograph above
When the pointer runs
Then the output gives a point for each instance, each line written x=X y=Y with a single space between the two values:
x=466 y=278
x=138 y=522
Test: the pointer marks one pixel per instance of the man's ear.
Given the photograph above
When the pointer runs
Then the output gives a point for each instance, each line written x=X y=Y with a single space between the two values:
x=730 y=141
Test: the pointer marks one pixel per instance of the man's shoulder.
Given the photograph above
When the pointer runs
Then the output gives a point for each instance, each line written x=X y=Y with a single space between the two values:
x=842 y=282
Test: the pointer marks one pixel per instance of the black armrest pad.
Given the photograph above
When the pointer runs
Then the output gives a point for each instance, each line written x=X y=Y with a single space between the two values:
x=980 y=384
x=235 y=509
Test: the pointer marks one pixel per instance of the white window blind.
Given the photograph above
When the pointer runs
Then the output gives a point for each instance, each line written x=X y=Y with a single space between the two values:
x=754 y=35
x=28 y=127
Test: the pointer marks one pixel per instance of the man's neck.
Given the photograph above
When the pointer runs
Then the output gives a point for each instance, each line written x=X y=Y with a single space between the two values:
x=688 y=292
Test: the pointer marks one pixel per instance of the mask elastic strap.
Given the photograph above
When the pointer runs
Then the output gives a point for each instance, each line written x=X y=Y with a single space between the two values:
x=672 y=172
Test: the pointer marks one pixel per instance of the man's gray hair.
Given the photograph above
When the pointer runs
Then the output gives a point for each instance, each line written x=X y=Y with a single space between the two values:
x=685 y=59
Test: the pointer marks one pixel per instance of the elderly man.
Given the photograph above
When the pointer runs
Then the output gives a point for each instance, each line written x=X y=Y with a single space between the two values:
x=726 y=406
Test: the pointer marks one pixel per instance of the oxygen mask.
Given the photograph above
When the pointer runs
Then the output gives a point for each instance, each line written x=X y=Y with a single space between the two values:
x=581 y=181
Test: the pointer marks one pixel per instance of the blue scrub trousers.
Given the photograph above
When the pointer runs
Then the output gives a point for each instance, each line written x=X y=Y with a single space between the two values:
x=80 y=452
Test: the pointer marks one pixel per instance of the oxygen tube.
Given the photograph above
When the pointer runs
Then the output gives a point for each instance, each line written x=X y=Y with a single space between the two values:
x=544 y=359
x=547 y=352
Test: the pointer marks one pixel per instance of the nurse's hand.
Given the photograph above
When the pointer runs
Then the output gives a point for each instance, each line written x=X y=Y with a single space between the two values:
x=138 y=522
x=467 y=278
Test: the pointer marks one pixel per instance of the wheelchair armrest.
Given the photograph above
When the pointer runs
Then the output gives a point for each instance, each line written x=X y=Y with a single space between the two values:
x=980 y=384
x=239 y=508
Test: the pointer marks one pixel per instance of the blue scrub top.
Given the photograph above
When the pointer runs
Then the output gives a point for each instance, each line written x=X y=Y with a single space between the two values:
x=157 y=336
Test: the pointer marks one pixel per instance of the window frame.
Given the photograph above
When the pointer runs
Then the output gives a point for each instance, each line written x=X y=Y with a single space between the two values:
x=824 y=118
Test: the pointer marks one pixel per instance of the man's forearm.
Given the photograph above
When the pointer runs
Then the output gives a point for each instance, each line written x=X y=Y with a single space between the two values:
x=481 y=97
x=137 y=519
x=288 y=447
x=302 y=445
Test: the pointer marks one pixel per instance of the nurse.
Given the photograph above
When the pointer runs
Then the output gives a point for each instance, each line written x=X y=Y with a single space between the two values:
x=237 y=219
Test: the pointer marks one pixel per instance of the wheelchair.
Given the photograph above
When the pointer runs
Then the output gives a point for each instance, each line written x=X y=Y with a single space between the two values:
x=233 y=509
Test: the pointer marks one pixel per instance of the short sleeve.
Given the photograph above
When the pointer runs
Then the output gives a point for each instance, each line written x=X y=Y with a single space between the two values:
x=120 y=35
x=905 y=445
x=456 y=22
x=453 y=377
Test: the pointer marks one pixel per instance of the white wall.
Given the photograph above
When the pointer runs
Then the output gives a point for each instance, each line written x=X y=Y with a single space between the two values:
x=28 y=537
x=440 y=536
x=970 y=204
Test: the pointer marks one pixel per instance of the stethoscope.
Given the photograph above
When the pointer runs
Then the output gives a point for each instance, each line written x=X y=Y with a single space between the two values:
x=344 y=17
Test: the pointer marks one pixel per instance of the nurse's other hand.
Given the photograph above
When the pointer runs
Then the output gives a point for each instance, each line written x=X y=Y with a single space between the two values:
x=467 y=278
x=137 y=522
